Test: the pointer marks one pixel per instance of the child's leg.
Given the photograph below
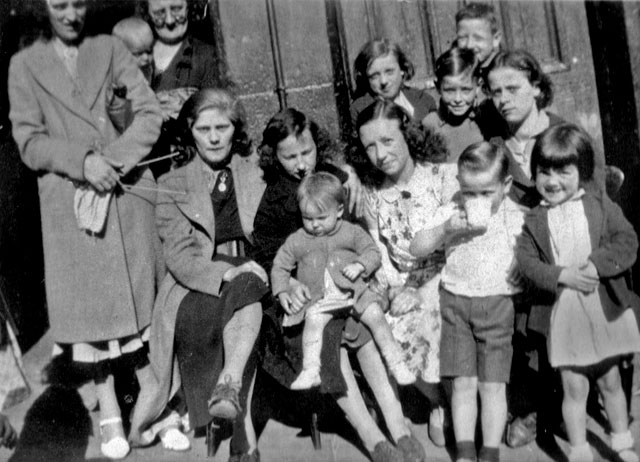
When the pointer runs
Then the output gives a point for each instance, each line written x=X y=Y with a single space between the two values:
x=114 y=444
x=615 y=404
x=574 y=411
x=314 y=324
x=239 y=337
x=373 y=318
x=464 y=411
x=493 y=398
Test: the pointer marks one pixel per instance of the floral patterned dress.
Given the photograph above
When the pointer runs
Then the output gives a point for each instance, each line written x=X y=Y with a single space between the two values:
x=394 y=216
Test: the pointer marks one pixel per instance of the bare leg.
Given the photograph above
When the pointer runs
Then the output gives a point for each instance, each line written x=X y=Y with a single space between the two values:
x=464 y=408
x=314 y=325
x=250 y=431
x=493 y=396
x=239 y=337
x=574 y=406
x=615 y=402
x=354 y=408
x=374 y=319
x=114 y=444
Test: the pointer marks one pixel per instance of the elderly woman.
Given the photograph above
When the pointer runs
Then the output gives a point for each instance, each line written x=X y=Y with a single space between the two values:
x=208 y=313
x=180 y=59
x=292 y=147
x=97 y=208
x=395 y=159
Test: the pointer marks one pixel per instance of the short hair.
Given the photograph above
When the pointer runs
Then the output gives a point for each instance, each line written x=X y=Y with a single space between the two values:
x=373 y=50
x=478 y=10
x=562 y=145
x=456 y=61
x=131 y=27
x=195 y=10
x=288 y=122
x=424 y=145
x=213 y=98
x=321 y=190
x=485 y=156
x=524 y=62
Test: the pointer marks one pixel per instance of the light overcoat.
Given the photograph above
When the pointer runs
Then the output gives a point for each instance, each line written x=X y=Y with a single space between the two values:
x=99 y=286
x=186 y=225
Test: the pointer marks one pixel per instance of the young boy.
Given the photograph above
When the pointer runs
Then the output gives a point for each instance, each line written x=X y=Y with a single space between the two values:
x=332 y=258
x=479 y=230
x=138 y=37
x=477 y=29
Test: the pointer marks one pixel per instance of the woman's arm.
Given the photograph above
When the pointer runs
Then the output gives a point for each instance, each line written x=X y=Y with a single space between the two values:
x=184 y=255
x=136 y=142
x=38 y=150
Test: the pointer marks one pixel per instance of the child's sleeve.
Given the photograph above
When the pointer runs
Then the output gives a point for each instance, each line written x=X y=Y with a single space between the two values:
x=283 y=265
x=619 y=244
x=542 y=275
x=368 y=254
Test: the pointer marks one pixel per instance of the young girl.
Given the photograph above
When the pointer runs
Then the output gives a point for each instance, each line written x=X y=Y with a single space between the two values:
x=333 y=258
x=576 y=247
x=457 y=81
x=381 y=71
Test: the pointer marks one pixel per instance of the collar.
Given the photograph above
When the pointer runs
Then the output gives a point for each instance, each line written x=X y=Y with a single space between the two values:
x=335 y=231
x=444 y=116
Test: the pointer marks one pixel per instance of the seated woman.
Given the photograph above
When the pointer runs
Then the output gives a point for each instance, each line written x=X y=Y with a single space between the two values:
x=293 y=146
x=208 y=311
x=395 y=159
x=381 y=71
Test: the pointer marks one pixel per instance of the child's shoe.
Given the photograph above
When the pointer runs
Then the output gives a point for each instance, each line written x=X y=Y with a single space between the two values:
x=117 y=446
x=580 y=453
x=411 y=449
x=307 y=379
x=622 y=443
x=386 y=452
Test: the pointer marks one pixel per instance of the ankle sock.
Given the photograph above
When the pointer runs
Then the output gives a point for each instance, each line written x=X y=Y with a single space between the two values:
x=466 y=450
x=580 y=453
x=489 y=454
x=620 y=441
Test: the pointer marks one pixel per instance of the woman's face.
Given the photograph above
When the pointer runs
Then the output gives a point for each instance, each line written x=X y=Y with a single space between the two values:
x=387 y=148
x=297 y=154
x=213 y=134
x=513 y=95
x=169 y=18
x=385 y=76
x=67 y=19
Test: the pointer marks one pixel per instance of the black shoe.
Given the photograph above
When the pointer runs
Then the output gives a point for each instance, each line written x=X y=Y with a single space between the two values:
x=521 y=431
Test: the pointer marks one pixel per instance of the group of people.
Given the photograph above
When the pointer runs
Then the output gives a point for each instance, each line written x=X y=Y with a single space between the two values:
x=415 y=247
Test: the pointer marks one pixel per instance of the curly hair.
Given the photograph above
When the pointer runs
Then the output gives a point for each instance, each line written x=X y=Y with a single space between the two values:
x=524 y=62
x=289 y=122
x=211 y=98
x=195 y=11
x=424 y=145
x=373 y=50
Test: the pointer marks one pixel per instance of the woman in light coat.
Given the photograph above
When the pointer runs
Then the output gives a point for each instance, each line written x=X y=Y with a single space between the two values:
x=96 y=206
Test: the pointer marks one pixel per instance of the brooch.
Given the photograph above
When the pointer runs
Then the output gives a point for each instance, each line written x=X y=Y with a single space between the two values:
x=222 y=181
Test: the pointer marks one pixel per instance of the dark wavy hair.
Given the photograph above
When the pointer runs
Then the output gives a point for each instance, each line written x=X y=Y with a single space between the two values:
x=562 y=145
x=424 y=145
x=196 y=10
x=211 y=98
x=456 y=61
x=372 y=50
x=524 y=62
x=288 y=122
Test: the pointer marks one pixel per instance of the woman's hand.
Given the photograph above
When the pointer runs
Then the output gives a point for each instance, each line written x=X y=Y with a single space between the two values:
x=404 y=301
x=295 y=298
x=8 y=435
x=248 y=267
x=579 y=278
x=101 y=172
x=353 y=185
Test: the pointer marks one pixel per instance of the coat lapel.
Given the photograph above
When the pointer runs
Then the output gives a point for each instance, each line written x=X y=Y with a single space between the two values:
x=198 y=207
x=94 y=66
x=538 y=224
x=594 y=219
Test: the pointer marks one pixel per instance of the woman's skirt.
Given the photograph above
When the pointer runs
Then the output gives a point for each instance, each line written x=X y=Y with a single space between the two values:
x=198 y=339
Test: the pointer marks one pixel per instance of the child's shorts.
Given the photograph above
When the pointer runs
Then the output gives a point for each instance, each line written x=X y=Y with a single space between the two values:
x=476 y=336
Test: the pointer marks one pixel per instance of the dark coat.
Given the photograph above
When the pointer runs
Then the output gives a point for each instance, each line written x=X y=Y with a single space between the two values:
x=614 y=247
x=422 y=102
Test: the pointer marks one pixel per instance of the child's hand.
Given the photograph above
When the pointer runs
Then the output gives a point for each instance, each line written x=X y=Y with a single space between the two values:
x=575 y=277
x=589 y=269
x=353 y=270
x=457 y=224
x=8 y=435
